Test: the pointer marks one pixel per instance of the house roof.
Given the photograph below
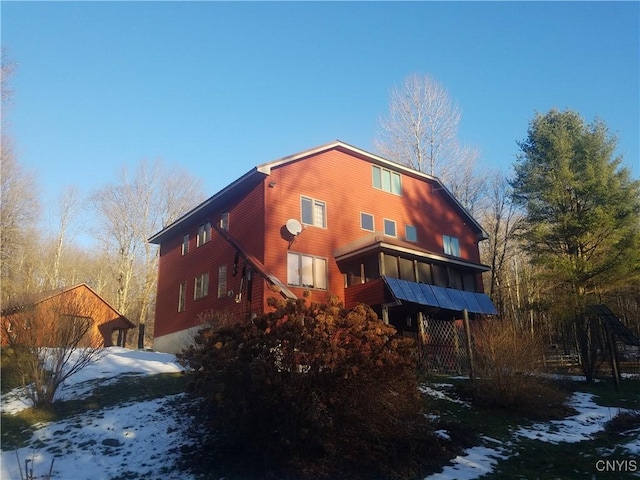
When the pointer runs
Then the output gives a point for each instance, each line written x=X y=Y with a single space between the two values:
x=258 y=173
x=377 y=241
x=36 y=298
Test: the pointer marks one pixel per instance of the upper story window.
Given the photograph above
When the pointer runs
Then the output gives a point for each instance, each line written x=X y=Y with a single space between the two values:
x=185 y=244
x=386 y=180
x=204 y=234
x=224 y=221
x=410 y=233
x=389 y=227
x=366 y=222
x=451 y=245
x=201 y=287
x=306 y=271
x=314 y=212
x=182 y=296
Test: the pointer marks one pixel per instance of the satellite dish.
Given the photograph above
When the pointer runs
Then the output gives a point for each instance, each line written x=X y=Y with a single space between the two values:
x=293 y=226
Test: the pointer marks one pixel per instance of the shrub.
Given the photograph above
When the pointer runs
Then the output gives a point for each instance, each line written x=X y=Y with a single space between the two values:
x=508 y=365
x=311 y=391
x=623 y=422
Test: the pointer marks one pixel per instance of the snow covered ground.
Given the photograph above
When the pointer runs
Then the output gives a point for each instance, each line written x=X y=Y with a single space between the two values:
x=138 y=440
x=142 y=439
x=590 y=419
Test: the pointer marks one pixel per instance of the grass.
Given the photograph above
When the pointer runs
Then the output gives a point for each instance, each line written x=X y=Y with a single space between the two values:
x=529 y=459
x=628 y=397
x=547 y=461
x=17 y=429
x=467 y=424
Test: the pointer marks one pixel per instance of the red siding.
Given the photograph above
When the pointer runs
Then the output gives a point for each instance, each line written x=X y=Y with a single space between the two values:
x=341 y=180
x=344 y=183
x=370 y=293
x=246 y=222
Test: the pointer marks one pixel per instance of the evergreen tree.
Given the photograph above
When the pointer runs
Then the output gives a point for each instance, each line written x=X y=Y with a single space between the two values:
x=582 y=208
x=582 y=211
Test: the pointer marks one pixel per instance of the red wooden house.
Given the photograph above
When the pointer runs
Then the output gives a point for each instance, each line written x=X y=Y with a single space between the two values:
x=333 y=219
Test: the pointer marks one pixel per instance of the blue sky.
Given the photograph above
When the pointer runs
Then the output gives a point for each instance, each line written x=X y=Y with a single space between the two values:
x=220 y=87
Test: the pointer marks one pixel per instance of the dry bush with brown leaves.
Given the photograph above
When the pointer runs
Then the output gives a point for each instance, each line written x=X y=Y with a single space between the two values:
x=312 y=390
x=508 y=364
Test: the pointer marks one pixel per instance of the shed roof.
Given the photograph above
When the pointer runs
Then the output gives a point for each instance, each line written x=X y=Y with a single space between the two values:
x=36 y=298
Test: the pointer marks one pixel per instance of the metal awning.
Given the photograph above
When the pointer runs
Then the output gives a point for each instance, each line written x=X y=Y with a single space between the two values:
x=440 y=297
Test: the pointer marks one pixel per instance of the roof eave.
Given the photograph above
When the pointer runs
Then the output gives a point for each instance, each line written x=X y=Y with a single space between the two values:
x=166 y=231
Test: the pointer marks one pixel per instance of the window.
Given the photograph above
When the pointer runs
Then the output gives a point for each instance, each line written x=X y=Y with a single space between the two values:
x=366 y=222
x=204 y=234
x=391 y=266
x=407 y=272
x=424 y=273
x=314 y=212
x=185 y=244
x=182 y=294
x=410 y=233
x=439 y=273
x=451 y=245
x=222 y=281
x=224 y=221
x=386 y=180
x=468 y=281
x=201 y=287
x=306 y=271
x=389 y=227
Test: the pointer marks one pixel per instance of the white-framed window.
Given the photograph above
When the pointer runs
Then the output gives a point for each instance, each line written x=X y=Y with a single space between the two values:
x=366 y=222
x=182 y=296
x=386 y=180
x=314 y=212
x=224 y=221
x=185 y=244
x=410 y=233
x=306 y=271
x=204 y=234
x=201 y=287
x=451 y=245
x=389 y=227
x=222 y=281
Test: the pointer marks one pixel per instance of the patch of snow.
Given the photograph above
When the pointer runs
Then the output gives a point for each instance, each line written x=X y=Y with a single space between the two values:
x=140 y=440
x=476 y=462
x=440 y=395
x=634 y=445
x=481 y=460
x=112 y=363
x=590 y=419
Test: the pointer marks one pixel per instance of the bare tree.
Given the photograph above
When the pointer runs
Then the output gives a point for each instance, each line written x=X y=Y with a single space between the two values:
x=464 y=180
x=130 y=211
x=19 y=207
x=8 y=67
x=66 y=208
x=51 y=341
x=421 y=127
x=501 y=218
x=420 y=131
